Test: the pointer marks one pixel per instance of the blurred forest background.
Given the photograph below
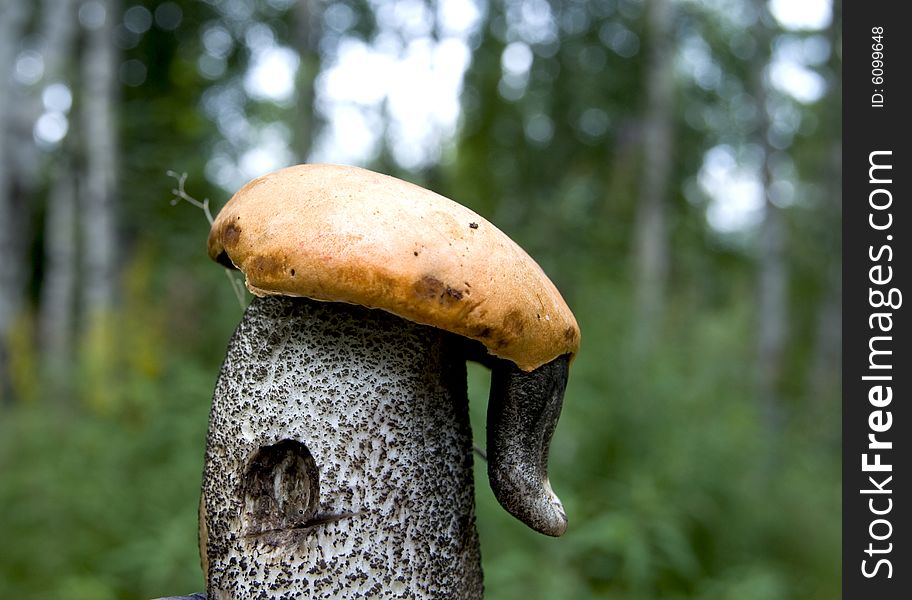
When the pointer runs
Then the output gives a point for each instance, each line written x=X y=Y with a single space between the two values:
x=674 y=165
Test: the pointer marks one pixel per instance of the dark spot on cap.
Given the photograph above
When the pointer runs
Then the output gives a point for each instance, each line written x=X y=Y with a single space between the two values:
x=514 y=324
x=429 y=287
x=493 y=339
x=484 y=332
x=473 y=225
x=231 y=234
x=292 y=272
x=264 y=265
x=416 y=253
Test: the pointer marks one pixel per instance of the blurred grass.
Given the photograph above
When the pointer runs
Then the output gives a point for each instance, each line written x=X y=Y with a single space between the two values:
x=673 y=487
x=104 y=506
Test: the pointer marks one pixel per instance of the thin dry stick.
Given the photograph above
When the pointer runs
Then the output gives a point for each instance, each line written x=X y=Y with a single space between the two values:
x=181 y=194
x=481 y=453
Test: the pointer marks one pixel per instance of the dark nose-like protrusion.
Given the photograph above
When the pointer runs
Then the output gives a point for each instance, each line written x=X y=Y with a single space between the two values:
x=522 y=413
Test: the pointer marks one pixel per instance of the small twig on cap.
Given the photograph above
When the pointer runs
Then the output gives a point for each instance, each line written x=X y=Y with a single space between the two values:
x=181 y=194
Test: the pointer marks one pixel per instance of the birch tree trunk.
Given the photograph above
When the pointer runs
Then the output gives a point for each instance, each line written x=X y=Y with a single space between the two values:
x=307 y=18
x=13 y=14
x=97 y=208
x=651 y=261
x=824 y=378
x=97 y=211
x=55 y=325
x=58 y=29
x=56 y=310
x=772 y=274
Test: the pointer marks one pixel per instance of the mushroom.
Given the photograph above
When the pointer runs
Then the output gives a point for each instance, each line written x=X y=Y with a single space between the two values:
x=339 y=453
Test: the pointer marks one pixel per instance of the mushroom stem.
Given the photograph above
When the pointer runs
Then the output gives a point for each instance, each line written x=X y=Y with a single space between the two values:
x=522 y=413
x=339 y=459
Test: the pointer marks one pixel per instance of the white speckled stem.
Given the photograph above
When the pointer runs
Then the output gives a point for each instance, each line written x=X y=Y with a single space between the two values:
x=380 y=404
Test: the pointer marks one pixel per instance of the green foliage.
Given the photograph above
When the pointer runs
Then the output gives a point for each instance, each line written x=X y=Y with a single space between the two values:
x=104 y=506
x=101 y=470
x=672 y=485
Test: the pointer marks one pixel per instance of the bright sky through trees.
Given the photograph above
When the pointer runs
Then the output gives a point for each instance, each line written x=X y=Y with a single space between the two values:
x=419 y=83
x=418 y=80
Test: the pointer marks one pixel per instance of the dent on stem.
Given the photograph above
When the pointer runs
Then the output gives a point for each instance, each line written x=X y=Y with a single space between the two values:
x=523 y=410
